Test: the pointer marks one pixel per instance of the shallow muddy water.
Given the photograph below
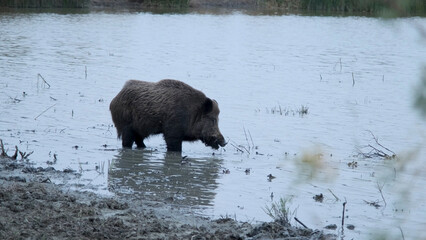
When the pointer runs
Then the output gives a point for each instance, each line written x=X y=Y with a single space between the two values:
x=59 y=72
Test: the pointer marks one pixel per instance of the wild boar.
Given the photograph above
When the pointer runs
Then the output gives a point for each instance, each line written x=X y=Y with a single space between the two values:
x=171 y=107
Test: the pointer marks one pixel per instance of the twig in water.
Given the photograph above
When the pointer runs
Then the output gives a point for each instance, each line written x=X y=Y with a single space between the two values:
x=25 y=155
x=16 y=153
x=337 y=199
x=44 y=80
x=245 y=134
x=374 y=204
x=3 y=152
x=402 y=233
x=343 y=214
x=377 y=141
x=238 y=149
x=381 y=193
x=44 y=111
x=252 y=143
x=15 y=100
x=297 y=220
x=379 y=151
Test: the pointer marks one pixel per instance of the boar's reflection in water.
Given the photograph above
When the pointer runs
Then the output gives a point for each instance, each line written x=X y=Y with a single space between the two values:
x=158 y=176
x=171 y=107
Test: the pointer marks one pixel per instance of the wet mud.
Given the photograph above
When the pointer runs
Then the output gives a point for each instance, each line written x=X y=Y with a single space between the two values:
x=34 y=207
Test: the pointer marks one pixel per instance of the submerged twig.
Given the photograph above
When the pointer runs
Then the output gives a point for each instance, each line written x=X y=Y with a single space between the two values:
x=237 y=148
x=252 y=143
x=3 y=152
x=24 y=155
x=297 y=220
x=377 y=151
x=343 y=214
x=15 y=100
x=337 y=199
x=44 y=80
x=377 y=141
x=374 y=204
x=44 y=111
x=381 y=193
x=245 y=134
x=16 y=153
x=402 y=233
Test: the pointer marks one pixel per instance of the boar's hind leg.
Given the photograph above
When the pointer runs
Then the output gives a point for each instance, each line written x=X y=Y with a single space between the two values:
x=128 y=137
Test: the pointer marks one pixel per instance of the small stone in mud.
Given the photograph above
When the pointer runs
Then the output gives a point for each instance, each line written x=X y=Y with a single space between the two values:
x=68 y=170
x=350 y=227
x=48 y=169
x=12 y=166
x=29 y=170
x=318 y=198
x=331 y=227
x=17 y=179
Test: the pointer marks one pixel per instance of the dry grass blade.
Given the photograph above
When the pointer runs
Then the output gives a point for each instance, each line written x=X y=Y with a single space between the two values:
x=279 y=211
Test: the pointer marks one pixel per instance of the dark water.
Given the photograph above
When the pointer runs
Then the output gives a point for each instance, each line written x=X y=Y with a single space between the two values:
x=354 y=74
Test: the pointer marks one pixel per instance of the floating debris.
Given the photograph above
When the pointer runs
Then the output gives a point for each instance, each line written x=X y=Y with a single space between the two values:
x=353 y=164
x=270 y=177
x=318 y=198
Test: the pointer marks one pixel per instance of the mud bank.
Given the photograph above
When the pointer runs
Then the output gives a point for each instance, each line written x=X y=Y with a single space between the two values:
x=33 y=207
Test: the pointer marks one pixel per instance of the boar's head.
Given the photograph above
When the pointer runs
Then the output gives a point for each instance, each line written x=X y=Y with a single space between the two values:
x=206 y=125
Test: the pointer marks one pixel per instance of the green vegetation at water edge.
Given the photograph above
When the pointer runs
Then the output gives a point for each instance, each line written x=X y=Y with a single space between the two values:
x=393 y=7
x=44 y=3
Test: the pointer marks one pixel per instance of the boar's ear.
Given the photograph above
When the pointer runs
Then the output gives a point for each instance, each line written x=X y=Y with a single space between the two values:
x=207 y=106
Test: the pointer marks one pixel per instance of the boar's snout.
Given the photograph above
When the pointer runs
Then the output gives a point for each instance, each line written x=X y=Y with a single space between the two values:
x=215 y=141
x=221 y=141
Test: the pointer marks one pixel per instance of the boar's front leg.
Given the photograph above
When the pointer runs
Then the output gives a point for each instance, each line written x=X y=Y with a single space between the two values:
x=174 y=133
x=173 y=144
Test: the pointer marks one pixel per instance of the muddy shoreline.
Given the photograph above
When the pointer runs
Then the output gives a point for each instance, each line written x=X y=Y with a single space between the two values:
x=34 y=207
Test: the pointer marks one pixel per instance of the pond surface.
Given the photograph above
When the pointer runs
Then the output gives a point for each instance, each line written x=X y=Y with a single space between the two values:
x=59 y=72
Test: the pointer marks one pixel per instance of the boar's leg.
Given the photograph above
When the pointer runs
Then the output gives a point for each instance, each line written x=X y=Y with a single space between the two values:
x=128 y=137
x=173 y=144
x=139 y=141
x=173 y=132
